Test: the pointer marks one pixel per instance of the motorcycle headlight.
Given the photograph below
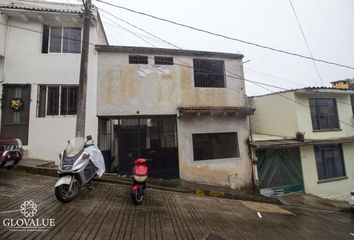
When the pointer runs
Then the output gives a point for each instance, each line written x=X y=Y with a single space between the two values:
x=140 y=178
x=67 y=167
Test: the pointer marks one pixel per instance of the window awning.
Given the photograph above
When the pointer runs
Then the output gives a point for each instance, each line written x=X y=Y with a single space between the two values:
x=285 y=143
x=226 y=110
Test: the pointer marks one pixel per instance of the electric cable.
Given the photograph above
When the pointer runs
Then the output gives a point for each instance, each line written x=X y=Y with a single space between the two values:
x=307 y=44
x=227 y=37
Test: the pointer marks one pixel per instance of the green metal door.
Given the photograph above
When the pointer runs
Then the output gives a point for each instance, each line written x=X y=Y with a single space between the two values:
x=279 y=170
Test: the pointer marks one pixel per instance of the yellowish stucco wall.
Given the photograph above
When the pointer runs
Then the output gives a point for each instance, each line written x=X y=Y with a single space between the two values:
x=275 y=115
x=339 y=189
x=125 y=89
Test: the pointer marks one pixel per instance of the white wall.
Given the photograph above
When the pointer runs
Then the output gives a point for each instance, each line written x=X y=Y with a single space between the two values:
x=24 y=63
x=3 y=30
x=233 y=172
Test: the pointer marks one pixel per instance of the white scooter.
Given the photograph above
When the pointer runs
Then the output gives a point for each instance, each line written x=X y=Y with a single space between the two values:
x=79 y=163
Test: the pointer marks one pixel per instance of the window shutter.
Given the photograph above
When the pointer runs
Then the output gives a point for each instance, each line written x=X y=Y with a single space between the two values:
x=45 y=38
x=42 y=101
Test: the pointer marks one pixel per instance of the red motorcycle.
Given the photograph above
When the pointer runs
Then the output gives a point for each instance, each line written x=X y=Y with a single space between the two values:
x=140 y=175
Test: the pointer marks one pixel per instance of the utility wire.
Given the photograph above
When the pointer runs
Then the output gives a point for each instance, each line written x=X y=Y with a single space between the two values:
x=227 y=37
x=130 y=24
x=304 y=105
x=183 y=63
x=307 y=44
x=40 y=32
x=273 y=76
x=235 y=76
x=131 y=32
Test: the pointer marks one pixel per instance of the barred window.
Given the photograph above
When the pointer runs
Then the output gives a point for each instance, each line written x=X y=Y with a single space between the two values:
x=324 y=114
x=207 y=146
x=137 y=59
x=163 y=60
x=329 y=161
x=54 y=100
x=209 y=73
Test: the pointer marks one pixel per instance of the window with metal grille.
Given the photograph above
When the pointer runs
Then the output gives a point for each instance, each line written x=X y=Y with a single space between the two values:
x=163 y=60
x=324 y=114
x=209 y=73
x=329 y=161
x=68 y=100
x=57 y=100
x=352 y=100
x=61 y=39
x=207 y=146
x=137 y=59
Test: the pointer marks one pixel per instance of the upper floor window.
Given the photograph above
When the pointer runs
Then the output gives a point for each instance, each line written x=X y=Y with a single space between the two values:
x=56 y=100
x=137 y=59
x=207 y=146
x=163 y=60
x=324 y=114
x=61 y=39
x=209 y=73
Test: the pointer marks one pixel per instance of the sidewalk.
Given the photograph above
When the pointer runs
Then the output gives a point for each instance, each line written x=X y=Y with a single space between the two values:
x=314 y=202
x=301 y=200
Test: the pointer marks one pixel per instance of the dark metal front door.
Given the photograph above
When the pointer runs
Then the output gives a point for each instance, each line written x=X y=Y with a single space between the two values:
x=139 y=136
x=280 y=170
x=15 y=111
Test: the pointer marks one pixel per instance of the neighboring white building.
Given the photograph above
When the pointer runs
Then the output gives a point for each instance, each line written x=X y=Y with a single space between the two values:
x=188 y=106
x=304 y=141
x=40 y=45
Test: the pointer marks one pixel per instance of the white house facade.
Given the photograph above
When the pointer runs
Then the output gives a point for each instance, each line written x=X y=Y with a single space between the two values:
x=40 y=46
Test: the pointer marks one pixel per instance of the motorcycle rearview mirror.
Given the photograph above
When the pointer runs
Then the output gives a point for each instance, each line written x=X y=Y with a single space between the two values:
x=131 y=156
x=151 y=153
x=88 y=138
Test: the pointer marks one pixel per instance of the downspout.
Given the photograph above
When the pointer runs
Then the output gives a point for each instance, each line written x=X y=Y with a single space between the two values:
x=253 y=154
x=5 y=50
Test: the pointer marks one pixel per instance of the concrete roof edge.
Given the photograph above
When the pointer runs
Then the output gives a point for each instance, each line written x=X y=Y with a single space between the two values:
x=309 y=90
x=166 y=51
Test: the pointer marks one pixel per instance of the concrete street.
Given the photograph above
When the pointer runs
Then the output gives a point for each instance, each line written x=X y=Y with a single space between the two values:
x=107 y=212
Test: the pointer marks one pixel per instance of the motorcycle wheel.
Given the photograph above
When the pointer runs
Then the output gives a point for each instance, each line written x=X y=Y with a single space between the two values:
x=137 y=196
x=64 y=195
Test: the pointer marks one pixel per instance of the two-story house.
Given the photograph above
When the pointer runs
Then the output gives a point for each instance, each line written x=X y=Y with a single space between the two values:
x=188 y=106
x=303 y=140
x=40 y=46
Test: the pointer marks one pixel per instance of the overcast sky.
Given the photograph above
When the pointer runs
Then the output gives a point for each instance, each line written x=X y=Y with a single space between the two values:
x=328 y=26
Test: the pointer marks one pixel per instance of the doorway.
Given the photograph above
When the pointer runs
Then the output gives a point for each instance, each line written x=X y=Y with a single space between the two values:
x=141 y=135
x=15 y=111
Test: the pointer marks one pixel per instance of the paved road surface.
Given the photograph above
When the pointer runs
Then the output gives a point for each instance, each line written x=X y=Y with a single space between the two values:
x=107 y=212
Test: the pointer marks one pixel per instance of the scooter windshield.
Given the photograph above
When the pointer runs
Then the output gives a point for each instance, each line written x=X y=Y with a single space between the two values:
x=74 y=146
